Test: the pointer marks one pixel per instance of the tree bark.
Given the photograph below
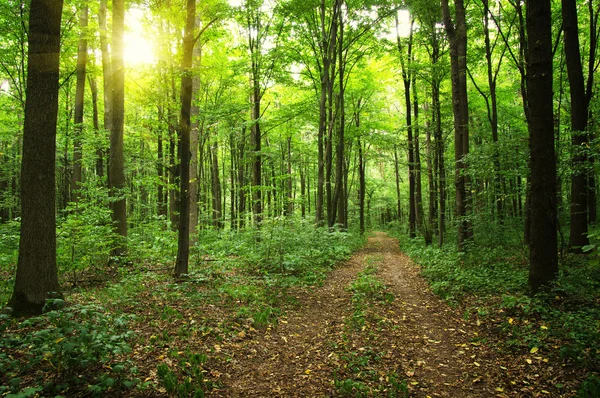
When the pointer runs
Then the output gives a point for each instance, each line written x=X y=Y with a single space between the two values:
x=106 y=66
x=457 y=35
x=542 y=207
x=195 y=113
x=116 y=177
x=96 y=122
x=37 y=277
x=82 y=50
x=406 y=78
x=183 y=246
x=578 y=234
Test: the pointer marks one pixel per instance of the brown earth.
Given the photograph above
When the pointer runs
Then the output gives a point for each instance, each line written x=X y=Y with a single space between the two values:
x=416 y=337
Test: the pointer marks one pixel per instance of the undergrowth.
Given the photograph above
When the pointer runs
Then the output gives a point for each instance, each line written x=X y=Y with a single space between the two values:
x=85 y=349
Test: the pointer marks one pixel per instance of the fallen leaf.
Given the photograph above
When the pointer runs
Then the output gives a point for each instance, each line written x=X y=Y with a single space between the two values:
x=533 y=350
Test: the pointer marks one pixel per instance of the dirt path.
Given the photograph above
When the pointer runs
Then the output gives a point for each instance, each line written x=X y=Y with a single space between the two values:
x=320 y=349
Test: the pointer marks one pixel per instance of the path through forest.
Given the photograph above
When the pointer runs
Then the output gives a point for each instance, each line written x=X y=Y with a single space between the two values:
x=335 y=344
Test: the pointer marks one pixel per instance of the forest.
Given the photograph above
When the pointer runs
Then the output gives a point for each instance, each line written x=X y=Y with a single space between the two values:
x=299 y=198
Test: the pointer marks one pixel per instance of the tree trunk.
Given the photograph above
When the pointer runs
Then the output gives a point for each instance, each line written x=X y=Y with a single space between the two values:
x=361 y=187
x=457 y=35
x=116 y=180
x=195 y=112
x=579 y=114
x=96 y=122
x=340 y=157
x=397 y=173
x=406 y=78
x=542 y=206
x=216 y=186
x=183 y=245
x=82 y=49
x=37 y=277
x=289 y=180
x=106 y=66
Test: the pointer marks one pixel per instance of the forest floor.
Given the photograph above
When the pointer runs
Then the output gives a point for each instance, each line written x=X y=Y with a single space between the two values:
x=371 y=328
x=375 y=329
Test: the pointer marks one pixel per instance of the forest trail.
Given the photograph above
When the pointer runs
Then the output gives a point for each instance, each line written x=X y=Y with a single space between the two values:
x=332 y=345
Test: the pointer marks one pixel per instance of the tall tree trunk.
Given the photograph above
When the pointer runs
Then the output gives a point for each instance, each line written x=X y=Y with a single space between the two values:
x=82 y=49
x=160 y=165
x=116 y=180
x=542 y=207
x=242 y=180
x=431 y=210
x=216 y=186
x=397 y=173
x=37 y=276
x=361 y=186
x=195 y=113
x=106 y=66
x=579 y=114
x=406 y=78
x=338 y=199
x=96 y=122
x=457 y=35
x=493 y=113
x=183 y=244
x=289 y=180
x=422 y=222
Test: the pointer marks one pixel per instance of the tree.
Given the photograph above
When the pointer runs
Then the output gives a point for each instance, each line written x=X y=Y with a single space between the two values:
x=116 y=175
x=457 y=35
x=36 y=279
x=579 y=119
x=79 y=97
x=543 y=255
x=183 y=246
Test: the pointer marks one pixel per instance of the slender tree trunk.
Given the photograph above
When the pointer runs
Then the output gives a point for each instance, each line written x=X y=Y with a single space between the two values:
x=579 y=114
x=406 y=78
x=542 y=207
x=183 y=246
x=106 y=66
x=289 y=180
x=457 y=34
x=216 y=186
x=82 y=49
x=116 y=181
x=242 y=180
x=338 y=199
x=195 y=123
x=493 y=114
x=96 y=122
x=397 y=173
x=160 y=165
x=37 y=276
x=361 y=186
x=431 y=210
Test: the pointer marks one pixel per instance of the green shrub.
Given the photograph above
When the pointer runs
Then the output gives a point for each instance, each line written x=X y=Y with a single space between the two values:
x=66 y=350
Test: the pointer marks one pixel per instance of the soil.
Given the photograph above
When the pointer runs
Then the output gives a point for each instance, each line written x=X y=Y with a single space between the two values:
x=416 y=337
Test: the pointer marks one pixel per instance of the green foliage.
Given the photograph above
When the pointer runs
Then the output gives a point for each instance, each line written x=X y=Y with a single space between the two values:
x=9 y=249
x=567 y=316
x=66 y=350
x=191 y=382
x=364 y=380
x=85 y=236
x=590 y=387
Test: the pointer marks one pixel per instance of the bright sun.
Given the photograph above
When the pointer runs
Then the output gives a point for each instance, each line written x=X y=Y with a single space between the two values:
x=138 y=50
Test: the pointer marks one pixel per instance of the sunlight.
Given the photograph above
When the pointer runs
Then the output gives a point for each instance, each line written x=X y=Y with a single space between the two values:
x=403 y=23
x=138 y=49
